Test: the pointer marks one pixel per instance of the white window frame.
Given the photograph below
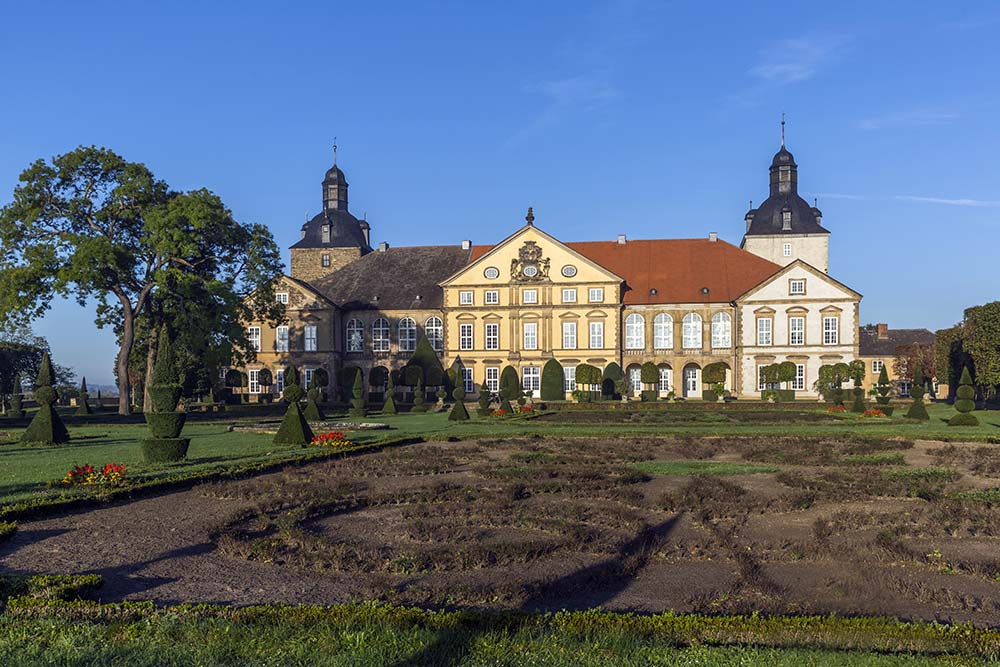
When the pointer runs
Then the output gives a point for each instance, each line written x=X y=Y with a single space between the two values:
x=281 y=338
x=491 y=297
x=325 y=261
x=635 y=332
x=253 y=381
x=531 y=378
x=877 y=366
x=692 y=380
x=569 y=379
x=281 y=297
x=596 y=330
x=491 y=335
x=380 y=335
x=529 y=296
x=309 y=338
x=253 y=335
x=831 y=330
x=691 y=330
x=797 y=330
x=467 y=382
x=406 y=331
x=786 y=250
x=765 y=331
x=799 y=383
x=799 y=283
x=307 y=375
x=530 y=336
x=722 y=330
x=569 y=335
x=492 y=378
x=355 y=335
x=569 y=295
x=595 y=295
x=466 y=298
x=434 y=330
x=635 y=379
x=466 y=336
x=666 y=381
x=663 y=332
x=279 y=381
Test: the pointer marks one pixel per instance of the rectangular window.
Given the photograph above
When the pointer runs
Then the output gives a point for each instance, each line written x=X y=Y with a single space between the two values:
x=796 y=331
x=797 y=286
x=282 y=297
x=326 y=261
x=253 y=381
x=764 y=330
x=465 y=336
x=799 y=383
x=666 y=379
x=253 y=334
x=492 y=336
x=307 y=374
x=569 y=378
x=465 y=298
x=281 y=339
x=531 y=378
x=905 y=387
x=492 y=297
x=309 y=336
x=569 y=335
x=279 y=381
x=786 y=250
x=877 y=365
x=831 y=330
x=596 y=335
x=596 y=295
x=531 y=335
x=569 y=295
x=529 y=296
x=493 y=378
x=467 y=382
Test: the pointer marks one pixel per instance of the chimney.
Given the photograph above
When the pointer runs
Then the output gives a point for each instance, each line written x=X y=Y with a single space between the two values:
x=383 y=246
x=466 y=244
x=621 y=239
x=882 y=329
x=713 y=236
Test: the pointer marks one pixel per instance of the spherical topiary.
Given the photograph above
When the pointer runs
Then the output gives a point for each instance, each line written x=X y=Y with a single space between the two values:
x=165 y=423
x=458 y=411
x=918 y=410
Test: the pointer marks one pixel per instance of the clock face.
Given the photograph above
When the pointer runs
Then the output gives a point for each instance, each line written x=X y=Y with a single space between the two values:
x=569 y=270
x=492 y=272
x=531 y=270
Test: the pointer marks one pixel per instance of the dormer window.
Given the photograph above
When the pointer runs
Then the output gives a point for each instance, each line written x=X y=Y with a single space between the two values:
x=326 y=233
x=786 y=219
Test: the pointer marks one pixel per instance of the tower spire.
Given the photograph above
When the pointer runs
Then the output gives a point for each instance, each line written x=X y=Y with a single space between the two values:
x=782 y=136
x=335 y=147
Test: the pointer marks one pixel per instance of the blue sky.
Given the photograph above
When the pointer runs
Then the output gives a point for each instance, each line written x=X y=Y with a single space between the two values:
x=653 y=119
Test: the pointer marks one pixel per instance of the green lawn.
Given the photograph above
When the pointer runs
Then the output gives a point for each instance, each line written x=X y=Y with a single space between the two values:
x=684 y=468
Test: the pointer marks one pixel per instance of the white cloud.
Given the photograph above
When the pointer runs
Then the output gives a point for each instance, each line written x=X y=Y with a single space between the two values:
x=582 y=92
x=798 y=59
x=983 y=203
x=918 y=117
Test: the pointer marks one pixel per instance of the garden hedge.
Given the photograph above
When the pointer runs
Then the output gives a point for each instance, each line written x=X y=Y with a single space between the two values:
x=552 y=381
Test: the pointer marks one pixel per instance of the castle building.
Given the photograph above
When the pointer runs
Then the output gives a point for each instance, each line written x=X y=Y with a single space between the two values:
x=679 y=303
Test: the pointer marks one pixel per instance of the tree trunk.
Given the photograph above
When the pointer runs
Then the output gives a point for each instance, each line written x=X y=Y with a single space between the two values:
x=128 y=338
x=147 y=401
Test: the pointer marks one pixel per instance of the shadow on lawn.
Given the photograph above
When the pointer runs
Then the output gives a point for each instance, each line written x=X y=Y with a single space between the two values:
x=602 y=580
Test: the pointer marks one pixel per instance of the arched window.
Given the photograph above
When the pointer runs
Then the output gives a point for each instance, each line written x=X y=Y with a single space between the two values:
x=635 y=380
x=635 y=332
x=434 y=330
x=722 y=330
x=355 y=336
x=380 y=335
x=691 y=328
x=407 y=335
x=663 y=332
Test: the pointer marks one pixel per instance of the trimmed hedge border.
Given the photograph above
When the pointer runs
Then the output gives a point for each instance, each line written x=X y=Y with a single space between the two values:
x=42 y=507
x=880 y=634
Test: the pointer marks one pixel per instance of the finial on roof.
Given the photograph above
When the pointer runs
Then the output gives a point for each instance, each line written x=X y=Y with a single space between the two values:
x=815 y=202
x=782 y=131
x=751 y=204
x=335 y=151
x=530 y=217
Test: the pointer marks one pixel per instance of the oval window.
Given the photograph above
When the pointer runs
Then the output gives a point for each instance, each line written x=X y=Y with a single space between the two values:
x=569 y=270
x=492 y=272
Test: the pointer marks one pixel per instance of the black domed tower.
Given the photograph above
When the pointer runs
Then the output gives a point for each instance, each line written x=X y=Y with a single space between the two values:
x=333 y=238
x=785 y=227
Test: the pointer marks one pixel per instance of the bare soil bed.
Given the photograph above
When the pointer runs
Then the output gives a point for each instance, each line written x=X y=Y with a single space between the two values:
x=845 y=525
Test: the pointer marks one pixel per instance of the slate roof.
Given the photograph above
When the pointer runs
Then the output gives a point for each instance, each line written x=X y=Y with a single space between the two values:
x=767 y=218
x=870 y=345
x=677 y=269
x=345 y=231
x=394 y=278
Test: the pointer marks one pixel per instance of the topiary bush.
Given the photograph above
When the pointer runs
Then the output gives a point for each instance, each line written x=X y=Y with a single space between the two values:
x=46 y=427
x=510 y=385
x=966 y=402
x=16 y=409
x=83 y=408
x=389 y=407
x=883 y=388
x=418 y=397
x=164 y=422
x=484 y=403
x=292 y=393
x=612 y=381
x=294 y=429
x=552 y=381
x=358 y=404
x=917 y=409
x=458 y=411
x=649 y=375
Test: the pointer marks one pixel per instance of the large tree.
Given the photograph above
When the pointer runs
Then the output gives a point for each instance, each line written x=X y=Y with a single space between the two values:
x=94 y=226
x=981 y=340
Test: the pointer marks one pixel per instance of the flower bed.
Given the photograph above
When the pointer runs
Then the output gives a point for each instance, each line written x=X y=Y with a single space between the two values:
x=837 y=409
x=526 y=409
x=873 y=413
x=111 y=474
x=330 y=439
x=498 y=413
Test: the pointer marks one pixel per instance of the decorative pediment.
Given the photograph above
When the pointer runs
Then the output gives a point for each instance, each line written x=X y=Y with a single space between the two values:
x=529 y=265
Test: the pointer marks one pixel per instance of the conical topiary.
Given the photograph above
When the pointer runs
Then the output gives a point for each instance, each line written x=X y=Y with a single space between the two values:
x=484 y=403
x=313 y=412
x=389 y=408
x=458 y=410
x=966 y=402
x=16 y=410
x=83 y=408
x=418 y=398
x=46 y=427
x=883 y=388
x=358 y=407
x=918 y=410
x=164 y=421
x=294 y=429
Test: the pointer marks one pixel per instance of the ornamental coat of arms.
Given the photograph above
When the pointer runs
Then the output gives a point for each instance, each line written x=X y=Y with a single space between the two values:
x=529 y=265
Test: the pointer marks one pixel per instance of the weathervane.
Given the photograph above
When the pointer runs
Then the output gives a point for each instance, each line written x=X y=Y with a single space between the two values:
x=782 y=131
x=335 y=149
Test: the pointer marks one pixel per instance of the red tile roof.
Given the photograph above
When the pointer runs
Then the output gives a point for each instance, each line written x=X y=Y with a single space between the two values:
x=677 y=269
